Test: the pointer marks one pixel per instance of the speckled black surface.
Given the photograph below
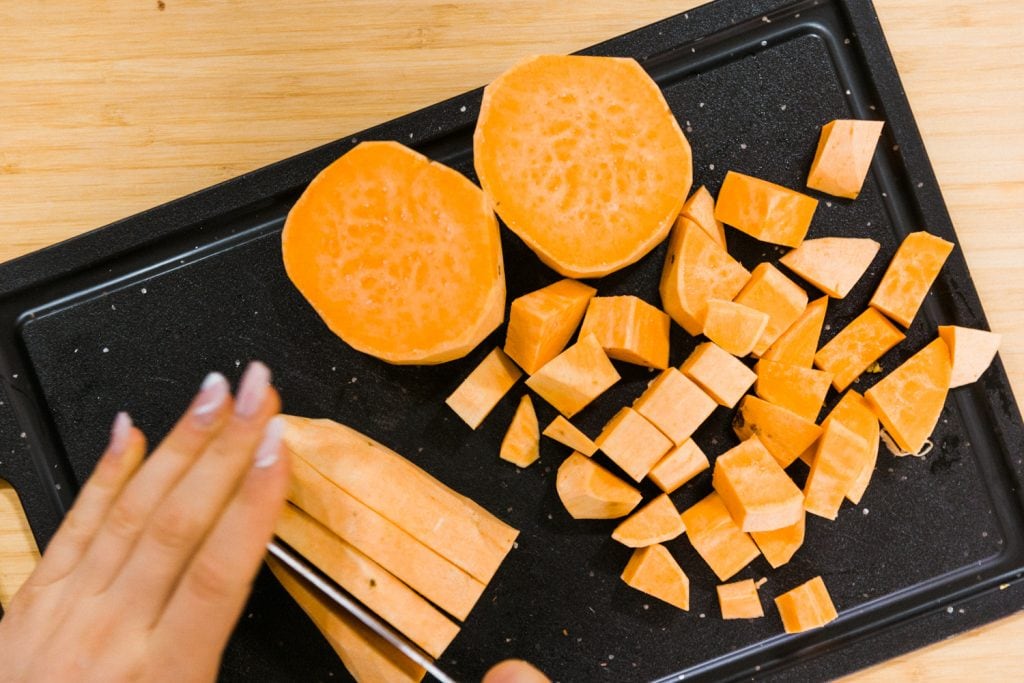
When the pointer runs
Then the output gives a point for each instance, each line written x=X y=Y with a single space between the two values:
x=133 y=315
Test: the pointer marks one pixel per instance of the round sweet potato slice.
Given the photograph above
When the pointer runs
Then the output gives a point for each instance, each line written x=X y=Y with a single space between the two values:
x=582 y=159
x=400 y=256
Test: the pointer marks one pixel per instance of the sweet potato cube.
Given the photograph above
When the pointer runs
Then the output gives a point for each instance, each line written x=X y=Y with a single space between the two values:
x=720 y=374
x=541 y=323
x=838 y=461
x=758 y=493
x=656 y=522
x=588 y=491
x=798 y=344
x=566 y=433
x=476 y=397
x=910 y=275
x=779 y=545
x=764 y=210
x=848 y=354
x=805 y=607
x=700 y=208
x=802 y=390
x=734 y=327
x=909 y=400
x=856 y=415
x=654 y=571
x=784 y=433
x=633 y=443
x=629 y=329
x=697 y=269
x=675 y=405
x=832 y=264
x=521 y=445
x=575 y=377
x=717 y=538
x=739 y=600
x=680 y=465
x=773 y=293
x=972 y=351
x=843 y=157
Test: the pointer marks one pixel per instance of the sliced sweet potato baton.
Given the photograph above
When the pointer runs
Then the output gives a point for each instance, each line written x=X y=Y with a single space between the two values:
x=633 y=443
x=400 y=256
x=719 y=373
x=575 y=377
x=717 y=538
x=589 y=491
x=847 y=355
x=972 y=352
x=734 y=327
x=764 y=210
x=656 y=522
x=839 y=459
x=758 y=493
x=521 y=445
x=541 y=323
x=654 y=571
x=802 y=390
x=629 y=329
x=697 y=269
x=910 y=275
x=595 y=182
x=566 y=433
x=784 y=433
x=475 y=398
x=739 y=600
x=779 y=545
x=680 y=465
x=843 y=157
x=700 y=208
x=805 y=607
x=832 y=264
x=675 y=405
x=909 y=400
x=798 y=344
x=856 y=415
x=771 y=292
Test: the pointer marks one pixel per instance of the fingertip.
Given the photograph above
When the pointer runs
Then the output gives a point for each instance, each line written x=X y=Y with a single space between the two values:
x=515 y=671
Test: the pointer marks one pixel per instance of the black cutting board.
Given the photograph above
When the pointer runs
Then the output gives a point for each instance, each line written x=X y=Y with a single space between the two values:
x=133 y=315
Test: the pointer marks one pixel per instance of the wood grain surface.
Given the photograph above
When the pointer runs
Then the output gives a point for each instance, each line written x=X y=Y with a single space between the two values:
x=110 y=107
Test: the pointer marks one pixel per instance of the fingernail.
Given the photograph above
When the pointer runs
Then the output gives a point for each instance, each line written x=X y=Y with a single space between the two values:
x=120 y=432
x=269 y=449
x=252 y=389
x=212 y=393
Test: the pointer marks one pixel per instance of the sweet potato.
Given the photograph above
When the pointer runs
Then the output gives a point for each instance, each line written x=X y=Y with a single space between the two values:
x=654 y=571
x=839 y=459
x=675 y=405
x=805 y=607
x=629 y=329
x=779 y=545
x=771 y=292
x=717 y=538
x=798 y=344
x=832 y=264
x=972 y=352
x=588 y=491
x=856 y=415
x=719 y=373
x=583 y=160
x=656 y=522
x=633 y=443
x=784 y=433
x=372 y=244
x=910 y=275
x=843 y=157
x=802 y=390
x=848 y=354
x=566 y=433
x=700 y=208
x=764 y=210
x=680 y=465
x=541 y=323
x=575 y=377
x=739 y=600
x=758 y=493
x=476 y=397
x=734 y=327
x=521 y=445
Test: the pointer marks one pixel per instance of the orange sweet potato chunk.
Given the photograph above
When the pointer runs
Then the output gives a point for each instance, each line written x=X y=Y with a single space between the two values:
x=680 y=465
x=972 y=351
x=855 y=413
x=675 y=405
x=739 y=600
x=843 y=157
x=700 y=208
x=719 y=373
x=595 y=182
x=654 y=571
x=798 y=344
x=656 y=522
x=697 y=269
x=758 y=493
x=909 y=400
x=802 y=390
x=839 y=459
x=541 y=323
x=521 y=445
x=764 y=210
x=910 y=275
x=805 y=607
x=784 y=433
x=629 y=329
x=588 y=491
x=773 y=293
x=566 y=433
x=633 y=443
x=832 y=264
x=372 y=244
x=575 y=377
x=476 y=397
x=717 y=538
x=848 y=354
x=734 y=327
x=779 y=545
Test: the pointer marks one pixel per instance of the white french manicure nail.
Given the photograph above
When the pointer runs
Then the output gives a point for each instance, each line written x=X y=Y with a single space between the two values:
x=269 y=450
x=252 y=389
x=120 y=431
x=212 y=393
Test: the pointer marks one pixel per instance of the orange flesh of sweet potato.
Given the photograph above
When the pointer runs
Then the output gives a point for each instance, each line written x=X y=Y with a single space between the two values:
x=541 y=323
x=909 y=400
x=367 y=656
x=717 y=538
x=773 y=293
x=734 y=327
x=802 y=390
x=675 y=405
x=839 y=459
x=521 y=445
x=972 y=352
x=848 y=354
x=367 y=581
x=784 y=433
x=596 y=182
x=566 y=433
x=805 y=607
x=764 y=210
x=832 y=264
x=700 y=208
x=475 y=398
x=779 y=545
x=843 y=157
x=656 y=522
x=575 y=377
x=856 y=415
x=680 y=465
x=798 y=344
x=633 y=443
x=654 y=571
x=739 y=600
x=719 y=373
x=910 y=275
x=588 y=491
x=629 y=329
x=758 y=493
x=400 y=256
x=697 y=269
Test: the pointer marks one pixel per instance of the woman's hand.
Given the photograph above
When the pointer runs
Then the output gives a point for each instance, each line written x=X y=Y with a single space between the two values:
x=150 y=569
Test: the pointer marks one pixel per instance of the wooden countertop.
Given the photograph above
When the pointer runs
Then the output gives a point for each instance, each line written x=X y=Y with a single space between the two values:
x=110 y=110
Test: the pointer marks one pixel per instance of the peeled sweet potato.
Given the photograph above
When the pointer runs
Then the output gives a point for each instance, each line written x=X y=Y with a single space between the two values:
x=758 y=493
x=566 y=433
x=910 y=275
x=476 y=397
x=700 y=208
x=521 y=445
x=629 y=329
x=723 y=376
x=575 y=377
x=764 y=210
x=798 y=344
x=739 y=600
x=541 y=323
x=784 y=433
x=802 y=390
x=848 y=354
x=675 y=405
x=805 y=607
x=839 y=459
x=680 y=465
x=771 y=292
x=654 y=571
x=972 y=351
x=588 y=491
x=733 y=326
x=717 y=538
x=779 y=545
x=843 y=157
x=855 y=413
x=633 y=443
x=832 y=264
x=656 y=522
